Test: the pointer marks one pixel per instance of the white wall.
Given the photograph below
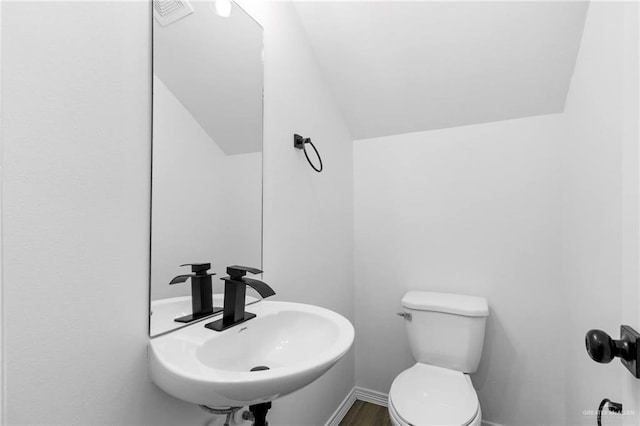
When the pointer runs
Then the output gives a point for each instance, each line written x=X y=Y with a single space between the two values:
x=76 y=101
x=600 y=206
x=207 y=205
x=308 y=217
x=2 y=363
x=540 y=215
x=631 y=186
x=470 y=210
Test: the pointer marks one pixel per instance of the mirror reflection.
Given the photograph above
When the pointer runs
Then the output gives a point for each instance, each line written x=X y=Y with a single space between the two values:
x=207 y=153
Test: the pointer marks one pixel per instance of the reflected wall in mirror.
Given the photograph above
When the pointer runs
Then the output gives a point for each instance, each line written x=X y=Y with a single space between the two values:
x=207 y=150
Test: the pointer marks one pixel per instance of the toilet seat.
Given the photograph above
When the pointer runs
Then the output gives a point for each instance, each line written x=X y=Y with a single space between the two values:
x=397 y=421
x=425 y=395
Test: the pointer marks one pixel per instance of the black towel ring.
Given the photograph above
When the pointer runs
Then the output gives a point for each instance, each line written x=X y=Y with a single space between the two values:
x=300 y=143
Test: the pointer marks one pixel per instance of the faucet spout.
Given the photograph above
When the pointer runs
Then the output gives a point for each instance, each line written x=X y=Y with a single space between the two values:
x=261 y=287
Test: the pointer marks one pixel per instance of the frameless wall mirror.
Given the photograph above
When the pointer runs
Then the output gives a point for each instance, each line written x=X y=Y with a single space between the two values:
x=207 y=151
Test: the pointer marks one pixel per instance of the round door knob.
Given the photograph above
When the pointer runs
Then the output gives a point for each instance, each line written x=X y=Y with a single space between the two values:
x=600 y=346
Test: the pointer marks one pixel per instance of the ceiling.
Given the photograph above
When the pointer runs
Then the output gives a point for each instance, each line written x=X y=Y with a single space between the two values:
x=398 y=67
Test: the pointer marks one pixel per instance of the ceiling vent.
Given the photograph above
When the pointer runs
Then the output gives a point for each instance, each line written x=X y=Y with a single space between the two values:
x=169 y=11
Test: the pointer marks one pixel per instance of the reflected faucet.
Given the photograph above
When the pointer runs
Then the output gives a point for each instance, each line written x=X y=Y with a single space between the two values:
x=235 y=290
x=201 y=292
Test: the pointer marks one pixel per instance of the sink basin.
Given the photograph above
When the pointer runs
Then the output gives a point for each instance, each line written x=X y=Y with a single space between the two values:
x=297 y=342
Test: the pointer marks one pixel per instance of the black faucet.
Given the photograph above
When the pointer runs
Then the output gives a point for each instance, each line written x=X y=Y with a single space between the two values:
x=201 y=292
x=235 y=290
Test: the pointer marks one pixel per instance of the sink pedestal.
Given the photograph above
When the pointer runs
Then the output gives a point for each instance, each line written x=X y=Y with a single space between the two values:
x=259 y=412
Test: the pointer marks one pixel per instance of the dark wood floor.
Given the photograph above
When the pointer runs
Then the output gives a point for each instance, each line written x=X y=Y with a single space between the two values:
x=366 y=414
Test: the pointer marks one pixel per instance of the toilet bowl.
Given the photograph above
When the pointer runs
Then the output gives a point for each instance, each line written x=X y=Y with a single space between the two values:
x=446 y=336
x=427 y=395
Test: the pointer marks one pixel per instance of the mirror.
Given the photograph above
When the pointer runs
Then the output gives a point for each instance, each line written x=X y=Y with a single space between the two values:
x=206 y=197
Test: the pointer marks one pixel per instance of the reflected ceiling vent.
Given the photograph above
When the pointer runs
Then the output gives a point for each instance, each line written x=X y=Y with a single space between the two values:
x=167 y=12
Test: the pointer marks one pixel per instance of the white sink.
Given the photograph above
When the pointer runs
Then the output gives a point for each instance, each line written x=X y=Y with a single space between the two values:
x=298 y=343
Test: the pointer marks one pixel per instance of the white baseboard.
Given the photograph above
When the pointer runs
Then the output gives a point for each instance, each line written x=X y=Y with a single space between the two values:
x=361 y=394
x=342 y=409
x=374 y=397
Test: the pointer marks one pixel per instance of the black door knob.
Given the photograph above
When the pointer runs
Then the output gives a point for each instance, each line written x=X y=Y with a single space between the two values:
x=600 y=346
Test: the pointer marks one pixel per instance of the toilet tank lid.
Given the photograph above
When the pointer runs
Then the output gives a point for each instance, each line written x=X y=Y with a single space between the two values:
x=470 y=306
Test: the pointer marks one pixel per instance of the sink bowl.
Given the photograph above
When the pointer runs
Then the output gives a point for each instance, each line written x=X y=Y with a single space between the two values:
x=297 y=342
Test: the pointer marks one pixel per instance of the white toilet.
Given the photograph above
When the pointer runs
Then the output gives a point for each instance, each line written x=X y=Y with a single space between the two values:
x=446 y=334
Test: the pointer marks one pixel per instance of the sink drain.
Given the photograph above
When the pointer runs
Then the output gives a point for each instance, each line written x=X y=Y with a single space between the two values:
x=259 y=368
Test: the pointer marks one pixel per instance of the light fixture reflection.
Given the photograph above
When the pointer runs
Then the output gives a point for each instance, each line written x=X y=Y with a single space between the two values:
x=223 y=7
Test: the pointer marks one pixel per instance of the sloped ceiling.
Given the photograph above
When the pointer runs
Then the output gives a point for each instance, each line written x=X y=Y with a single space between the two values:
x=398 y=67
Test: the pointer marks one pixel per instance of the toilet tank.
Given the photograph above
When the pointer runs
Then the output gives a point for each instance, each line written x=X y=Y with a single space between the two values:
x=446 y=330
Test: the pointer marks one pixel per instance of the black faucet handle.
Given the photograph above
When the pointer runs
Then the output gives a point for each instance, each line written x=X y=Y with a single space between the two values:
x=236 y=272
x=198 y=268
